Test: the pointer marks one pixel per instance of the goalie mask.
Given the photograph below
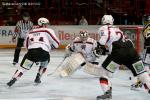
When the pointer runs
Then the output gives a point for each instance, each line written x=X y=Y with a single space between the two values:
x=146 y=31
x=83 y=35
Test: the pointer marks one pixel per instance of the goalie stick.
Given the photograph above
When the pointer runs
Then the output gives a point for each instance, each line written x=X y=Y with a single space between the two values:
x=57 y=67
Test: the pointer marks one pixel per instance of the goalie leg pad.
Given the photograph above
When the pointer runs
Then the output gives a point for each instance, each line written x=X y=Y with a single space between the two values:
x=71 y=64
x=92 y=69
x=96 y=70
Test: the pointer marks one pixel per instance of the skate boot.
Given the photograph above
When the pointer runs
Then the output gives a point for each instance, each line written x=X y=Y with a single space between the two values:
x=149 y=91
x=38 y=78
x=107 y=95
x=136 y=85
x=11 y=82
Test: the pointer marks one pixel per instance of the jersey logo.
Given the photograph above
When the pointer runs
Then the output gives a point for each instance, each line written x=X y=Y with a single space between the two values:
x=101 y=33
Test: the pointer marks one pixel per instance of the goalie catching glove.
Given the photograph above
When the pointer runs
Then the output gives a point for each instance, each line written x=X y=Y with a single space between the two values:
x=100 y=50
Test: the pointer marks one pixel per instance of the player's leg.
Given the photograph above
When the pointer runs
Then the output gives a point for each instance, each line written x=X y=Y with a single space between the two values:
x=43 y=58
x=17 y=50
x=137 y=83
x=146 y=61
x=109 y=67
x=138 y=70
x=144 y=77
x=26 y=64
x=41 y=71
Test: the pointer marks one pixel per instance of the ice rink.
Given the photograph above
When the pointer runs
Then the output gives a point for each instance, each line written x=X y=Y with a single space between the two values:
x=80 y=86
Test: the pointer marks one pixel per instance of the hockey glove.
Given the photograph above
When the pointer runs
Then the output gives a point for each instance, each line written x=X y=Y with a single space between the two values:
x=100 y=50
x=52 y=47
x=13 y=39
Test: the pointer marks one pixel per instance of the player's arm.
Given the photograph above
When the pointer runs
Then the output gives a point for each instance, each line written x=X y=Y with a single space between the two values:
x=101 y=48
x=54 y=40
x=26 y=42
x=17 y=31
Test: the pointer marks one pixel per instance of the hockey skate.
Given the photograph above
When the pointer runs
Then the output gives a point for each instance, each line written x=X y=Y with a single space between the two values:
x=106 y=96
x=11 y=82
x=137 y=85
x=149 y=91
x=38 y=78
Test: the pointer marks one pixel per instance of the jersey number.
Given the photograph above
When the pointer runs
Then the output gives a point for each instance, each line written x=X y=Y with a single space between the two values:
x=40 y=39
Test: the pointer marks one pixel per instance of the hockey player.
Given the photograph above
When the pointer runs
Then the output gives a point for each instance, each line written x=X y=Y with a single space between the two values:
x=39 y=43
x=146 y=54
x=121 y=51
x=83 y=45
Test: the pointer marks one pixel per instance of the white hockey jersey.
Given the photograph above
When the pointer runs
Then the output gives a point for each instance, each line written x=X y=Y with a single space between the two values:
x=86 y=48
x=109 y=34
x=44 y=38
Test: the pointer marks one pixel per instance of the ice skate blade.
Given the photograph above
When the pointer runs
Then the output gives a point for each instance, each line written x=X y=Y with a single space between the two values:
x=37 y=83
x=104 y=99
x=99 y=98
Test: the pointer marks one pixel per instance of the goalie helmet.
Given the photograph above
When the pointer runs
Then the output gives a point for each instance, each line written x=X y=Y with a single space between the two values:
x=43 y=21
x=83 y=35
x=107 y=19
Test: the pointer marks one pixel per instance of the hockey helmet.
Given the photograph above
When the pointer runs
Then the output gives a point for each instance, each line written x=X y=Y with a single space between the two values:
x=107 y=19
x=43 y=21
x=146 y=30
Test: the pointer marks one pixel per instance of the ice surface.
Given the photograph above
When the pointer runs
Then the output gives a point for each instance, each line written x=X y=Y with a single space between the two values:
x=80 y=86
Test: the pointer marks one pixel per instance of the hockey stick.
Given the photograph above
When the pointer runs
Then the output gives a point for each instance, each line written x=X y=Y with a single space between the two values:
x=57 y=67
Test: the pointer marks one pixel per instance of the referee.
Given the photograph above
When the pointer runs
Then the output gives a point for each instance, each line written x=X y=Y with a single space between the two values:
x=21 y=30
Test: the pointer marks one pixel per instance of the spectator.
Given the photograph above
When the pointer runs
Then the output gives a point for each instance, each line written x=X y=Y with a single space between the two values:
x=3 y=22
x=83 y=21
x=75 y=21
x=98 y=21
x=11 y=21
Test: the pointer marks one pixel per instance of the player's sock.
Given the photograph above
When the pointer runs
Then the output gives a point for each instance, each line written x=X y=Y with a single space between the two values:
x=106 y=86
x=18 y=73
x=42 y=70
